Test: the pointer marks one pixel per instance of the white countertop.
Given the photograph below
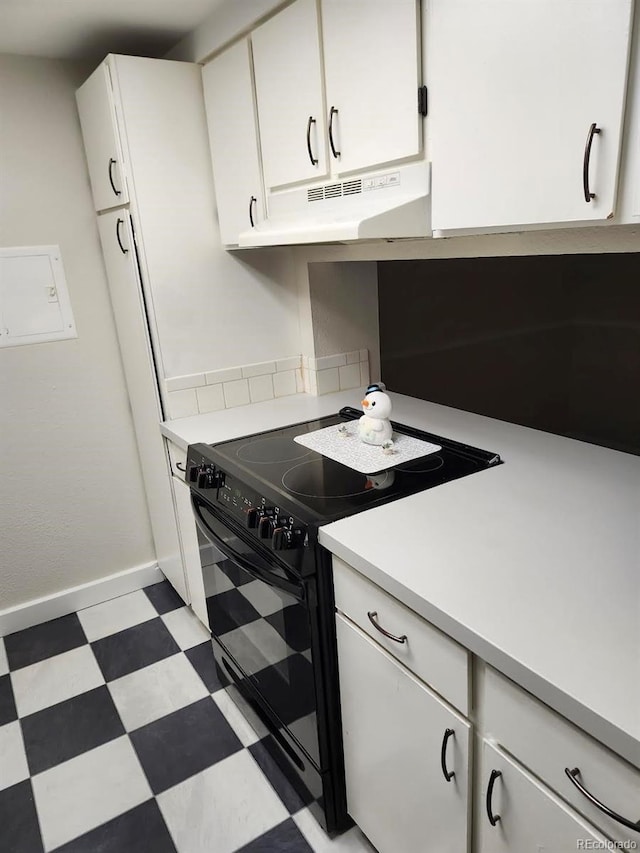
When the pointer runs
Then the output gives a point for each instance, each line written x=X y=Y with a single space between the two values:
x=533 y=565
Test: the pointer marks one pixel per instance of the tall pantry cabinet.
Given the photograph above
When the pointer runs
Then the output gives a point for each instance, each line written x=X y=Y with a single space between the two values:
x=149 y=166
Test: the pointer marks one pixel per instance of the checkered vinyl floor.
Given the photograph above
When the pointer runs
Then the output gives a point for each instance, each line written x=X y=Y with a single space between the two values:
x=115 y=736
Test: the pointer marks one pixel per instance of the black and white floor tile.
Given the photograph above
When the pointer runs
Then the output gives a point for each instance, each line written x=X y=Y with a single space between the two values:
x=116 y=737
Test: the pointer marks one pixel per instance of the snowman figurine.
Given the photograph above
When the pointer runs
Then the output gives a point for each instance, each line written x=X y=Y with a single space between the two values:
x=374 y=427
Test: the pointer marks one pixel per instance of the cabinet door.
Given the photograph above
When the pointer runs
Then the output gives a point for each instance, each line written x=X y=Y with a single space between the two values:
x=372 y=68
x=118 y=249
x=393 y=729
x=531 y=818
x=228 y=98
x=101 y=140
x=286 y=59
x=515 y=87
x=190 y=549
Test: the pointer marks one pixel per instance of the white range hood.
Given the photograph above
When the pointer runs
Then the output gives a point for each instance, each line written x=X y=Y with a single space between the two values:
x=389 y=204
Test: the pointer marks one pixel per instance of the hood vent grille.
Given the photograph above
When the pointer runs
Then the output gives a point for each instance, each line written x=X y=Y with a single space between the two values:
x=352 y=187
x=335 y=190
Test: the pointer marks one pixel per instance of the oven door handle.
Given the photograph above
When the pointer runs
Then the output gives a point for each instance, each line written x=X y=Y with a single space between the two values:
x=252 y=568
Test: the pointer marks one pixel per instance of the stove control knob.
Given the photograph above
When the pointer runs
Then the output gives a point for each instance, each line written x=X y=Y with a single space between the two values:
x=286 y=538
x=256 y=514
x=266 y=526
x=208 y=477
x=218 y=477
x=194 y=471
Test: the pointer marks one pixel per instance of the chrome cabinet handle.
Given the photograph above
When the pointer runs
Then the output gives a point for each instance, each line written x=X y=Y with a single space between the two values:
x=311 y=121
x=448 y=774
x=372 y=614
x=253 y=200
x=493 y=818
x=112 y=163
x=572 y=776
x=332 y=112
x=588 y=195
x=120 y=222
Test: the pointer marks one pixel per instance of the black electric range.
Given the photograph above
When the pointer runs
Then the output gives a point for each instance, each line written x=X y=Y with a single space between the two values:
x=258 y=502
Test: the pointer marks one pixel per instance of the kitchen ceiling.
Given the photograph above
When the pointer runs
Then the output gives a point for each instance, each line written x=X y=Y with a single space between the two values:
x=89 y=29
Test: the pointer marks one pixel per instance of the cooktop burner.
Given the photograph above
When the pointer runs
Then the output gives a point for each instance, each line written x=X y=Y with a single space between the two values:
x=324 y=479
x=421 y=466
x=270 y=450
x=316 y=489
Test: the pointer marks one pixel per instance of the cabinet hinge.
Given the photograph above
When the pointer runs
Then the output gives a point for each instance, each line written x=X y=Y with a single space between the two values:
x=422 y=100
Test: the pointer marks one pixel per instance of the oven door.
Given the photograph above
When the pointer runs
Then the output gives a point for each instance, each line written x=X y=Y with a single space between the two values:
x=260 y=613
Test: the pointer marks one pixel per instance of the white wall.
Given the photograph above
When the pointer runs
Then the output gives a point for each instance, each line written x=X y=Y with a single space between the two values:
x=72 y=506
x=228 y=19
x=344 y=310
x=247 y=311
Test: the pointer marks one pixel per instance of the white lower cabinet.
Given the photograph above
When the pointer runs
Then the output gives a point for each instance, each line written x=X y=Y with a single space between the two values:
x=190 y=548
x=519 y=815
x=549 y=746
x=400 y=740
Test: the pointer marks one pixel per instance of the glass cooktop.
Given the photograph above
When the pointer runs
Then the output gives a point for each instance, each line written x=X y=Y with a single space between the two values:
x=298 y=477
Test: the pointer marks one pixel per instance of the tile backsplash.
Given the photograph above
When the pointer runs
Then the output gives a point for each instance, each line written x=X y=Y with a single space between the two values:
x=199 y=393
x=335 y=372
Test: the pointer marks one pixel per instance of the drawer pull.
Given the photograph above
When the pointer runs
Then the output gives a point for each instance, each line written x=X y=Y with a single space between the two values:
x=493 y=818
x=573 y=774
x=372 y=614
x=588 y=195
x=112 y=163
x=448 y=774
x=314 y=161
x=332 y=112
x=120 y=222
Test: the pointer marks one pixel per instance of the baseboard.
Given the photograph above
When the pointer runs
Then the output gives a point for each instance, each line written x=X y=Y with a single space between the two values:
x=69 y=600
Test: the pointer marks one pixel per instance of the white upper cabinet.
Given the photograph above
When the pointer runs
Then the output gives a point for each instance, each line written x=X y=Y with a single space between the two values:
x=526 y=110
x=102 y=143
x=372 y=74
x=228 y=98
x=286 y=56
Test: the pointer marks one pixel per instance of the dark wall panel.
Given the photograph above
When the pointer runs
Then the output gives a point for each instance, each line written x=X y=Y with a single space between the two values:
x=550 y=342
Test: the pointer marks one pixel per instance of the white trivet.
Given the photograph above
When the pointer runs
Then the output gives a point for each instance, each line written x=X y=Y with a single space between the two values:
x=342 y=443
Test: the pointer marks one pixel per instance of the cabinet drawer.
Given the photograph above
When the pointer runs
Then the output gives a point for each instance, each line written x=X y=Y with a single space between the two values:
x=529 y=818
x=546 y=744
x=177 y=456
x=427 y=652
